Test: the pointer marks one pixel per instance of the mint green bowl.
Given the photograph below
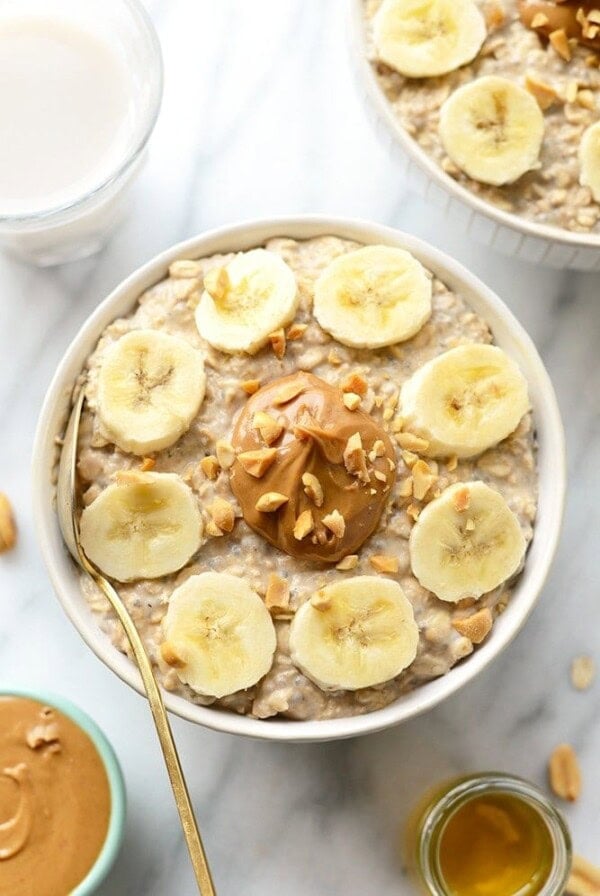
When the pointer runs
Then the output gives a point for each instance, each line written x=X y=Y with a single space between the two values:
x=116 y=824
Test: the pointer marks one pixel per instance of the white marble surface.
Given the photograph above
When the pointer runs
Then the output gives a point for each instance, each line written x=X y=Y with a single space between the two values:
x=260 y=117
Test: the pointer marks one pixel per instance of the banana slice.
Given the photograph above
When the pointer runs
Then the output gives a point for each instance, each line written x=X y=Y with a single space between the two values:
x=589 y=160
x=422 y=38
x=246 y=301
x=465 y=400
x=372 y=297
x=354 y=633
x=466 y=542
x=143 y=526
x=150 y=388
x=492 y=129
x=219 y=634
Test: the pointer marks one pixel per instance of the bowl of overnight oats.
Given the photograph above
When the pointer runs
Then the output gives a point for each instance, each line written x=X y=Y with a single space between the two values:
x=492 y=106
x=322 y=464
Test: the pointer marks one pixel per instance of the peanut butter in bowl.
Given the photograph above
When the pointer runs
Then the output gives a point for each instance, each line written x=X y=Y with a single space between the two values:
x=57 y=812
x=311 y=474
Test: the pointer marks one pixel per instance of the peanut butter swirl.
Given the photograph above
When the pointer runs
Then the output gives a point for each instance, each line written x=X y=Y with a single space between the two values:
x=311 y=475
x=580 y=21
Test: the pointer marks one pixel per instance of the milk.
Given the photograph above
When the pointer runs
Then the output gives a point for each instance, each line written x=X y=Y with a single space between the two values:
x=80 y=87
x=64 y=113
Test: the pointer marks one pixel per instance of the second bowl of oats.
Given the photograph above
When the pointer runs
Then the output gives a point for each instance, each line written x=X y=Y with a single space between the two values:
x=492 y=108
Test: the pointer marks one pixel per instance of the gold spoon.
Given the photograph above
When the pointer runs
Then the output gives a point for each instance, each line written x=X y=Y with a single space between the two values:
x=67 y=517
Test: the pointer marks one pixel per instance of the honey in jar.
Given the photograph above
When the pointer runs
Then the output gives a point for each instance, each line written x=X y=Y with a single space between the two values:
x=489 y=835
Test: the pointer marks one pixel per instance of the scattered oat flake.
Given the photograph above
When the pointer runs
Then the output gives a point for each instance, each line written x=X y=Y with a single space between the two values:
x=583 y=672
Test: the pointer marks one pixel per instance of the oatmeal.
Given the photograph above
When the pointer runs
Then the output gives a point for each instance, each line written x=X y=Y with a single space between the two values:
x=306 y=484
x=550 y=53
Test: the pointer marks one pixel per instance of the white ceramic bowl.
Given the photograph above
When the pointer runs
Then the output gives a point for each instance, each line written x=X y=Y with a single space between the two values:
x=508 y=333
x=462 y=210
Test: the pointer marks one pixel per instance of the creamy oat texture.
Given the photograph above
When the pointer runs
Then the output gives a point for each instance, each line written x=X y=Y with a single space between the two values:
x=552 y=194
x=509 y=468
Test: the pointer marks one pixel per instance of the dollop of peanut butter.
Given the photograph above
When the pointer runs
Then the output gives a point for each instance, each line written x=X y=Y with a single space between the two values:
x=311 y=475
x=580 y=21
x=54 y=800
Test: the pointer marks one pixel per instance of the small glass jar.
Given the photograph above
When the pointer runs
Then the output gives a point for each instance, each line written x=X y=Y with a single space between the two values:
x=80 y=225
x=429 y=821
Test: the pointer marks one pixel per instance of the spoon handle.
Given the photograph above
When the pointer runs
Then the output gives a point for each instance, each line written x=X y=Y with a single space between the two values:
x=165 y=735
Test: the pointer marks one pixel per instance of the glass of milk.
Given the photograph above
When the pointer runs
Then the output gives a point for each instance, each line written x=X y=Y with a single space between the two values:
x=80 y=91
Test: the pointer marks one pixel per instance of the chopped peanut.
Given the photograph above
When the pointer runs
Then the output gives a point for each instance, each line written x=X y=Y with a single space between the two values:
x=271 y=501
x=405 y=488
x=411 y=442
x=223 y=514
x=277 y=340
x=225 y=453
x=250 y=386
x=355 y=458
x=256 y=463
x=212 y=529
x=539 y=20
x=277 y=597
x=384 y=562
x=335 y=522
x=583 y=671
x=304 y=525
x=147 y=464
x=351 y=400
x=296 y=331
x=560 y=43
x=476 y=627
x=563 y=769
x=313 y=489
x=543 y=92
x=210 y=466
x=8 y=529
x=413 y=511
x=350 y=561
x=269 y=428
x=355 y=383
x=288 y=392
x=584 y=879
x=423 y=479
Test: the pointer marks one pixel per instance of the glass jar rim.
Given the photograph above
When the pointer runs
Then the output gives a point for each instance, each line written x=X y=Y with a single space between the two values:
x=144 y=22
x=469 y=787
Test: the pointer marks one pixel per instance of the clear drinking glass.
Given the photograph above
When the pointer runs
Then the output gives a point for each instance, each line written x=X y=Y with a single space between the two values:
x=80 y=226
